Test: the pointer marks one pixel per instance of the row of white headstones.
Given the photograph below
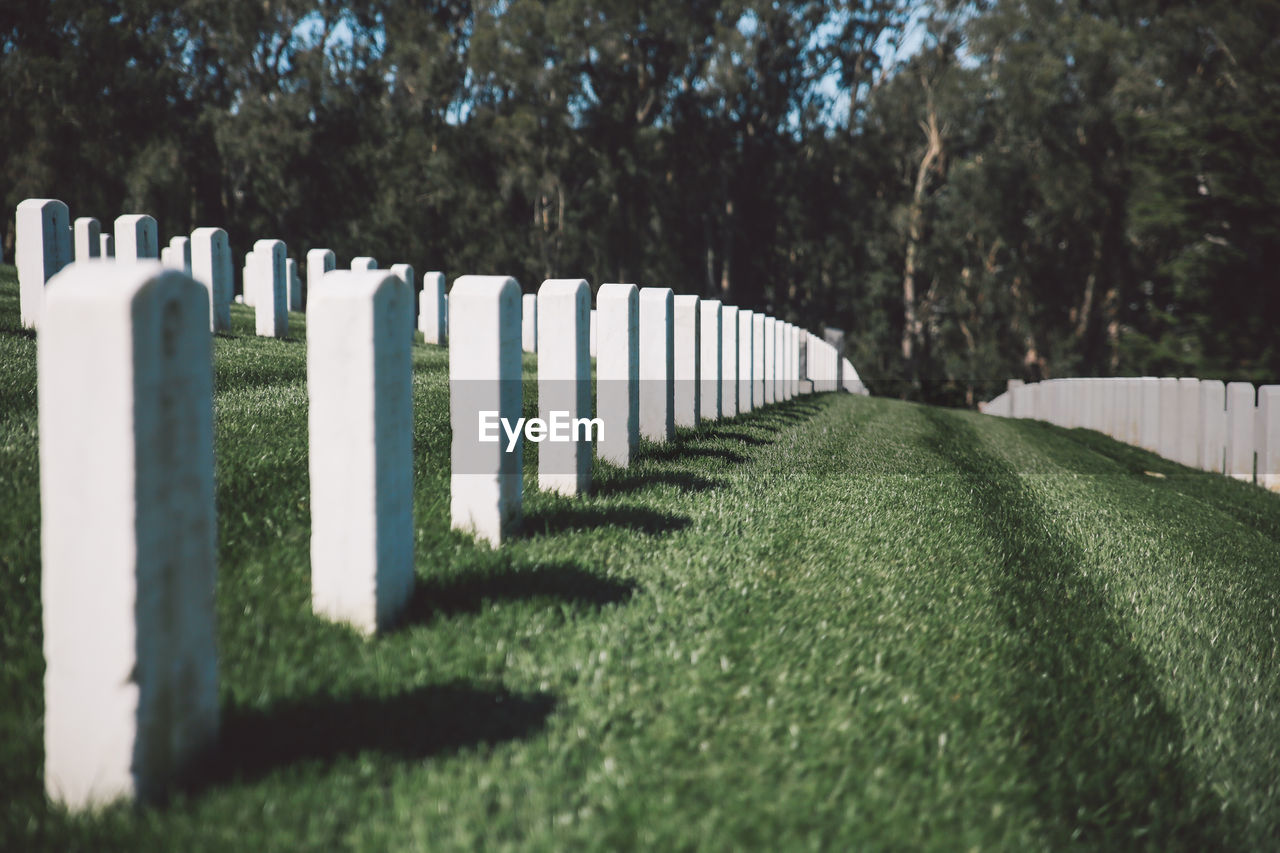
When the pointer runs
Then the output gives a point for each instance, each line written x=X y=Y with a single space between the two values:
x=1229 y=428
x=126 y=452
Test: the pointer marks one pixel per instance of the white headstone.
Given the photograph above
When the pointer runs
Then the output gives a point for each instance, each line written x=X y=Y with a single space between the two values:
x=688 y=346
x=106 y=246
x=729 y=361
x=1117 y=400
x=1168 y=447
x=44 y=248
x=88 y=238
x=794 y=360
x=319 y=262
x=136 y=237
x=1240 y=429
x=1022 y=402
x=128 y=530
x=1089 y=413
x=657 y=363
x=711 y=346
x=431 y=311
x=1151 y=413
x=485 y=376
x=405 y=273
x=618 y=371
x=529 y=322
x=293 y=287
x=211 y=266
x=759 y=347
x=787 y=360
x=1189 y=422
x=249 y=280
x=779 y=360
x=166 y=258
x=360 y=423
x=787 y=364
x=591 y=334
x=1268 y=437
x=1213 y=425
x=813 y=367
x=854 y=385
x=1132 y=427
x=564 y=384
x=363 y=264
x=770 y=363
x=746 y=360
x=180 y=253
x=271 y=316
x=1110 y=406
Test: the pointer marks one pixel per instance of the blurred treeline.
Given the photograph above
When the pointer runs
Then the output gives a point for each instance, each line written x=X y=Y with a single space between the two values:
x=1024 y=189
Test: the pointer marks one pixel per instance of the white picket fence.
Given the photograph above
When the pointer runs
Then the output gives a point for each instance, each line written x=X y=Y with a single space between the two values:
x=1231 y=428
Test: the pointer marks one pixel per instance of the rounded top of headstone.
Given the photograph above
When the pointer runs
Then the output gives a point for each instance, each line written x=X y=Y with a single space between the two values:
x=650 y=293
x=482 y=285
x=556 y=286
x=40 y=202
x=353 y=285
x=106 y=280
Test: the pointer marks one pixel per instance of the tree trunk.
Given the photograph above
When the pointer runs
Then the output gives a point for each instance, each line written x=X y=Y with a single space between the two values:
x=912 y=326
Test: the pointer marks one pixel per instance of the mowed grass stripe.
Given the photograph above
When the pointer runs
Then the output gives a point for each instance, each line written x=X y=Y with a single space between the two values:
x=827 y=624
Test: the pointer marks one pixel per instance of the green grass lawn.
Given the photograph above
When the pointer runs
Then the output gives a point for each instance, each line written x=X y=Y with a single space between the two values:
x=837 y=622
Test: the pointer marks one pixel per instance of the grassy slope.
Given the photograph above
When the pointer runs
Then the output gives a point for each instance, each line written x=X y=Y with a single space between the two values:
x=840 y=621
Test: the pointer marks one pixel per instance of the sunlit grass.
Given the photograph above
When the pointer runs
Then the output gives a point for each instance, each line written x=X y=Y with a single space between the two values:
x=837 y=623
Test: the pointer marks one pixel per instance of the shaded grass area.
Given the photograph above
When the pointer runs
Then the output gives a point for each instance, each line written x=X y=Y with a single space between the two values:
x=841 y=622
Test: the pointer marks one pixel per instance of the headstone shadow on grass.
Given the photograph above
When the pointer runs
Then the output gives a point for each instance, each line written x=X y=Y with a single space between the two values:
x=565 y=516
x=620 y=482
x=419 y=723
x=1094 y=728
x=470 y=591
x=678 y=450
x=737 y=435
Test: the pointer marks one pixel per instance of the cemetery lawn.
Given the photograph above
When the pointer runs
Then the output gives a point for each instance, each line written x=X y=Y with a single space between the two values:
x=835 y=623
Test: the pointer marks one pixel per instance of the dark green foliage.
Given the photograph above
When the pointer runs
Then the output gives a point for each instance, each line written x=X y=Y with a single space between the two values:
x=1042 y=188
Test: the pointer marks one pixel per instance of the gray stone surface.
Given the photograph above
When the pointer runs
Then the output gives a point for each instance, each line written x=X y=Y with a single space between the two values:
x=729 y=361
x=564 y=382
x=711 y=349
x=136 y=238
x=128 y=530
x=44 y=248
x=657 y=363
x=618 y=371
x=271 y=315
x=360 y=426
x=211 y=266
x=687 y=348
x=88 y=238
x=432 y=313
x=485 y=375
